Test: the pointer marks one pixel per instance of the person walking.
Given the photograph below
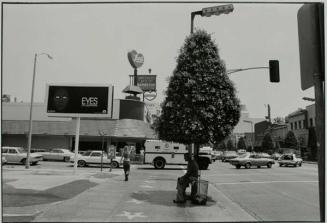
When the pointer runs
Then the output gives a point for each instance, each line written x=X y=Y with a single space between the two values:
x=126 y=161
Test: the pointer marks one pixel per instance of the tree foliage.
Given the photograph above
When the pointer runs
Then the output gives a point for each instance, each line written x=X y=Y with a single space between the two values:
x=222 y=146
x=200 y=104
x=230 y=145
x=291 y=141
x=279 y=120
x=267 y=143
x=241 y=144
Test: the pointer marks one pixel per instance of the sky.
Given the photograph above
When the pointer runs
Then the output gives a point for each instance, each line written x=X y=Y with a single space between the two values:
x=89 y=45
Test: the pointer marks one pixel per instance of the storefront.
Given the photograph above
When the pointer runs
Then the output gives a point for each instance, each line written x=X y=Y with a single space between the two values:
x=129 y=126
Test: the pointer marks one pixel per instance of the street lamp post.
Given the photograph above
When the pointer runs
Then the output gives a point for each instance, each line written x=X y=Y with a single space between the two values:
x=252 y=140
x=27 y=163
x=215 y=10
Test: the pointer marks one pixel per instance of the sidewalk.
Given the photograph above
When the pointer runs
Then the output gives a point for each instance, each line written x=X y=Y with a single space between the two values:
x=145 y=198
x=17 y=181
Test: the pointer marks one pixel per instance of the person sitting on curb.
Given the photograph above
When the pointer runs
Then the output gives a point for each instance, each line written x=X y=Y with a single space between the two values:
x=190 y=177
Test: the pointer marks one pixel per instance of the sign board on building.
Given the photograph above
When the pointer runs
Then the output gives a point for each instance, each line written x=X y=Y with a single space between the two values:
x=146 y=82
x=70 y=100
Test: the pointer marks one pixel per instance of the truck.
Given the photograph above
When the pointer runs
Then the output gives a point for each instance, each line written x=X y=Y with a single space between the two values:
x=161 y=153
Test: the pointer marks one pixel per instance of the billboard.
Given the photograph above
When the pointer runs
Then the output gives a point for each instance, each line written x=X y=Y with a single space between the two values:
x=146 y=82
x=67 y=100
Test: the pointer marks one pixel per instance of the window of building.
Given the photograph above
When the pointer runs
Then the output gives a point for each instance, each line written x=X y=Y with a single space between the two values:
x=295 y=125
x=311 y=122
x=300 y=125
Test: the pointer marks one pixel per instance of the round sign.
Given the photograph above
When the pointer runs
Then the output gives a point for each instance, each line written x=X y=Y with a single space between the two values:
x=135 y=59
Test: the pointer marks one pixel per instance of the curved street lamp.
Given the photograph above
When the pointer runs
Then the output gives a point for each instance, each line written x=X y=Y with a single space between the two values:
x=27 y=163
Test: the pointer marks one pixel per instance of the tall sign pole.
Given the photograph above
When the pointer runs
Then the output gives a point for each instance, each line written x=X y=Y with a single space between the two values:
x=78 y=121
x=312 y=61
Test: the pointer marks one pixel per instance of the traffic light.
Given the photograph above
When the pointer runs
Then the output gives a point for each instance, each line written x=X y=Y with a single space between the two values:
x=217 y=10
x=274 y=70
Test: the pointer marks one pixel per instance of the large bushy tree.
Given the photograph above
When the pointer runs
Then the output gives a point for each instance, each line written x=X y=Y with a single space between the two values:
x=291 y=141
x=200 y=104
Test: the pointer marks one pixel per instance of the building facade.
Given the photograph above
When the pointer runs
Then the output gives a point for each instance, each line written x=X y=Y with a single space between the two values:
x=130 y=125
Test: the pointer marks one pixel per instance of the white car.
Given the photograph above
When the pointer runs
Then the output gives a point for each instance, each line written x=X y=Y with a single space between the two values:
x=57 y=154
x=94 y=158
x=19 y=155
x=290 y=160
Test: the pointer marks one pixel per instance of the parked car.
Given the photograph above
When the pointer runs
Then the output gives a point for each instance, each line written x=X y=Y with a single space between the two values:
x=19 y=155
x=33 y=150
x=57 y=154
x=264 y=155
x=250 y=159
x=276 y=156
x=94 y=158
x=3 y=160
x=227 y=155
x=290 y=160
x=216 y=155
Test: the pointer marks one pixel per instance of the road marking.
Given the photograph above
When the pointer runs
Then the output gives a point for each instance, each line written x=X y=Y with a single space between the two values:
x=135 y=201
x=265 y=182
x=142 y=192
x=146 y=186
x=149 y=181
x=130 y=215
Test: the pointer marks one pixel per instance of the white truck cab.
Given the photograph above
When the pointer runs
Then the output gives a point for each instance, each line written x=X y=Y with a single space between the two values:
x=160 y=153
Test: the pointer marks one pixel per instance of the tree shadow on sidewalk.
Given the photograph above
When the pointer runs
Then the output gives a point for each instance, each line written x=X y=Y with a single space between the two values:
x=163 y=197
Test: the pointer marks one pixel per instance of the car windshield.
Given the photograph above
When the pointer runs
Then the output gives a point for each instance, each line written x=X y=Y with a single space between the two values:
x=243 y=155
x=21 y=150
x=86 y=153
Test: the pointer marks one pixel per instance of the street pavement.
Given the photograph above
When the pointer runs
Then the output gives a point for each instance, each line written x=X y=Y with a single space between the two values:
x=94 y=196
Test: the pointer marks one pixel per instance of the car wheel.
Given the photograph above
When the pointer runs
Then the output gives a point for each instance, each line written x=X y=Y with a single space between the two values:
x=34 y=163
x=280 y=164
x=238 y=166
x=115 y=164
x=66 y=159
x=159 y=163
x=81 y=163
x=295 y=165
x=23 y=161
x=269 y=165
x=300 y=164
x=248 y=165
